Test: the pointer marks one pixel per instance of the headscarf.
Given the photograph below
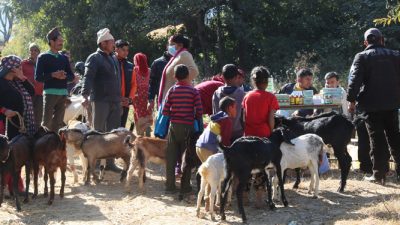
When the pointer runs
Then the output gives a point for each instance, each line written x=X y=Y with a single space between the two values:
x=140 y=61
x=8 y=63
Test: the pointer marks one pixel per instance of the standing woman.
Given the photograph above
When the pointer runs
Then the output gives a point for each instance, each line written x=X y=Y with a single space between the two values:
x=143 y=115
x=178 y=48
x=16 y=96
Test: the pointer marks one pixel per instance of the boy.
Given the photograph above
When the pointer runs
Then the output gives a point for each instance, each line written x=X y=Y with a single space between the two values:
x=259 y=107
x=231 y=76
x=183 y=106
x=220 y=125
x=332 y=81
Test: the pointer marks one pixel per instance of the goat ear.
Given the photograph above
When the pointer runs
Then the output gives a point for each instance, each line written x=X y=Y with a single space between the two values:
x=127 y=139
x=287 y=136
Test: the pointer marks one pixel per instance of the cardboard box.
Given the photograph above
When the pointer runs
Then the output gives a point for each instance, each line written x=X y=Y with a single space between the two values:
x=332 y=95
x=283 y=99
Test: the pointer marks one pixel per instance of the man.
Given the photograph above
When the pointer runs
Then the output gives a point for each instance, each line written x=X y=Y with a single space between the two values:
x=375 y=87
x=128 y=85
x=53 y=69
x=102 y=83
x=304 y=82
x=157 y=68
x=28 y=69
x=332 y=81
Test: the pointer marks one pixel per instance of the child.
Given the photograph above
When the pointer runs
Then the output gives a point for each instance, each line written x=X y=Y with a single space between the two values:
x=259 y=106
x=220 y=125
x=183 y=106
x=332 y=81
x=231 y=76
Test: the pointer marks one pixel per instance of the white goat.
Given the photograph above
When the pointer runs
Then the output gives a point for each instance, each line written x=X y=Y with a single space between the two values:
x=307 y=151
x=213 y=172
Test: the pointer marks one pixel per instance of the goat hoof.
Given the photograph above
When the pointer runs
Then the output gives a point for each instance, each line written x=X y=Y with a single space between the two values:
x=272 y=206
x=285 y=203
x=314 y=196
x=45 y=195
x=50 y=202
x=180 y=197
x=341 y=189
x=18 y=208
x=34 y=196
x=295 y=186
x=26 y=200
x=61 y=196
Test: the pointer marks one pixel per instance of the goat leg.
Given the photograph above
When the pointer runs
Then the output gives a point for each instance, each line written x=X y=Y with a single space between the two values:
x=269 y=189
x=15 y=188
x=52 y=183
x=225 y=187
x=63 y=178
x=46 y=178
x=2 y=185
x=296 y=184
x=239 y=197
x=344 y=164
x=185 y=181
x=279 y=174
x=27 y=181
x=35 y=179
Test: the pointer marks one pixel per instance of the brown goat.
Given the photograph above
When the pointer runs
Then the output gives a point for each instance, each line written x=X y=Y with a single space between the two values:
x=13 y=156
x=145 y=149
x=112 y=144
x=49 y=151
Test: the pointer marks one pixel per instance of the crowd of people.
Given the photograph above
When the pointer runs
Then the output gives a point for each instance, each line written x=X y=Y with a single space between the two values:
x=35 y=90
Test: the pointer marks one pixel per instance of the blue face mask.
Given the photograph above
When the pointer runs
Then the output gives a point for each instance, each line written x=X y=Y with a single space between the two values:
x=171 y=50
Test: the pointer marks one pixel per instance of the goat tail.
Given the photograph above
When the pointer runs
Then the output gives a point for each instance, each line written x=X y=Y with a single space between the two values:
x=203 y=171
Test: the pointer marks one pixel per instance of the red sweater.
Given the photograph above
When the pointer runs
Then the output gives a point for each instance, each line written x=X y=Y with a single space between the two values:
x=28 y=69
x=206 y=90
x=182 y=104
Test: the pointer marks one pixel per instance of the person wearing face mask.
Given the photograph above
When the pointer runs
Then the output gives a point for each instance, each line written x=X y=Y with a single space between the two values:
x=178 y=48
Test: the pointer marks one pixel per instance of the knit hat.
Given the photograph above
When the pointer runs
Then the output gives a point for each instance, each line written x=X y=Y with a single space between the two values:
x=8 y=63
x=104 y=35
x=53 y=34
x=374 y=32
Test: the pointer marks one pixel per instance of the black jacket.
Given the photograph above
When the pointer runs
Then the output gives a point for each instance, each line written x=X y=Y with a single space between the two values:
x=157 y=68
x=102 y=78
x=128 y=68
x=374 y=81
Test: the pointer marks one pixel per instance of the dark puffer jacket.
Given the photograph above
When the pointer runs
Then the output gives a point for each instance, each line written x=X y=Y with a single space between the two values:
x=374 y=81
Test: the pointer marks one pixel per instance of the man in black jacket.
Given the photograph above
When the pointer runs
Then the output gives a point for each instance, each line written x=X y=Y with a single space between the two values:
x=374 y=83
x=102 y=83
x=157 y=68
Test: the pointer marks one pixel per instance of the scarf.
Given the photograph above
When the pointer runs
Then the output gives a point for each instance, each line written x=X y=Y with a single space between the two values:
x=164 y=74
x=28 y=115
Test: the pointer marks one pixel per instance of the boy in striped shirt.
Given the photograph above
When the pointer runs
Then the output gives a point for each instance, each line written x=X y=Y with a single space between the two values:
x=183 y=106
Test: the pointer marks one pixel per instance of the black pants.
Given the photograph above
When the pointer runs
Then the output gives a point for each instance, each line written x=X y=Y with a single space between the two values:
x=124 y=117
x=364 y=148
x=383 y=130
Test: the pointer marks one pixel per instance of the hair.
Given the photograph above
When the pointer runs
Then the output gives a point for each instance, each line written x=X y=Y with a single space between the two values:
x=140 y=61
x=373 y=40
x=53 y=34
x=230 y=71
x=34 y=45
x=225 y=102
x=260 y=75
x=304 y=72
x=181 y=72
x=180 y=39
x=332 y=74
x=121 y=43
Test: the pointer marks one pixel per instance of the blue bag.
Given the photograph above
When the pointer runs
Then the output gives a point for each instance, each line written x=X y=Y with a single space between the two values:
x=162 y=124
x=198 y=125
x=324 y=167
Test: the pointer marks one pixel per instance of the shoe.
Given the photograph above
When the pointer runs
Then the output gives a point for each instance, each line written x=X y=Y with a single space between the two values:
x=374 y=179
x=170 y=191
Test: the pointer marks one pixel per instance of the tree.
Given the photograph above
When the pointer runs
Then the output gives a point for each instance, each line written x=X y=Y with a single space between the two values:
x=6 y=20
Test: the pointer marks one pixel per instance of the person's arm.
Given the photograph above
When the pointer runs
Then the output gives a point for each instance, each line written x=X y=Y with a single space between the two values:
x=167 y=104
x=40 y=75
x=271 y=119
x=197 y=104
x=70 y=75
x=133 y=90
x=215 y=103
x=154 y=81
x=187 y=59
x=91 y=67
x=356 y=78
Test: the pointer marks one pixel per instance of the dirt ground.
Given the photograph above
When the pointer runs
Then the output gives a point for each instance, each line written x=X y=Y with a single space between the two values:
x=107 y=203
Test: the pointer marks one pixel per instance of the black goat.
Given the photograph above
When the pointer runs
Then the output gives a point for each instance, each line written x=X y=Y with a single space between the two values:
x=333 y=128
x=252 y=154
x=190 y=160
x=13 y=156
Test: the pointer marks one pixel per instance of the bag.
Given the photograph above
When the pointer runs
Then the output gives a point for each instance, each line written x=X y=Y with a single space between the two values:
x=162 y=124
x=324 y=167
x=198 y=125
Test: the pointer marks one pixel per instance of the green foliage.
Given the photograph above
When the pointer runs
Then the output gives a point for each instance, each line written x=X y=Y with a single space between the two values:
x=393 y=17
x=22 y=38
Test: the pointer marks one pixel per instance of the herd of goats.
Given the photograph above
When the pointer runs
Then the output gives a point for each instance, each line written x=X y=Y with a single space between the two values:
x=295 y=143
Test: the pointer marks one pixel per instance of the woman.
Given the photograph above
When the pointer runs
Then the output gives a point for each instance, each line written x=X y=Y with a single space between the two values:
x=178 y=48
x=143 y=116
x=16 y=97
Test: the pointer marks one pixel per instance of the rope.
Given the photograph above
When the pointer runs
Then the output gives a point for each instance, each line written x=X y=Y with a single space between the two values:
x=21 y=128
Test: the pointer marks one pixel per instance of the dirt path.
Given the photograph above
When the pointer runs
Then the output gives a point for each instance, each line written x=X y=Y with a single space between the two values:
x=107 y=203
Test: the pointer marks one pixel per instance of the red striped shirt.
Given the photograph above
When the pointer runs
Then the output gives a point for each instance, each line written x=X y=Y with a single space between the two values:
x=182 y=104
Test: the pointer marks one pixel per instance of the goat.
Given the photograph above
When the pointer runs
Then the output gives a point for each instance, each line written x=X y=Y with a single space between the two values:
x=49 y=151
x=212 y=173
x=96 y=145
x=13 y=156
x=73 y=134
x=334 y=129
x=145 y=149
x=305 y=151
x=190 y=160
x=249 y=155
